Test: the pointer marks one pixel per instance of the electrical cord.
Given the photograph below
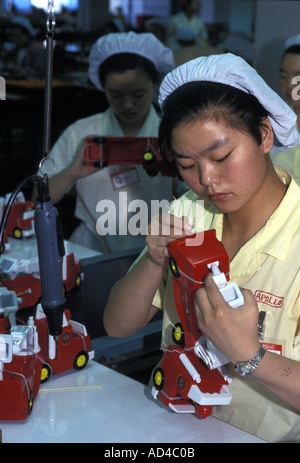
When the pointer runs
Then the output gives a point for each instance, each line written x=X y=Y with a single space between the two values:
x=34 y=179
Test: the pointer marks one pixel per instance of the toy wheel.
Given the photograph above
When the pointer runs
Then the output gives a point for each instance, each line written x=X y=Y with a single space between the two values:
x=81 y=360
x=78 y=281
x=152 y=173
x=30 y=404
x=173 y=267
x=178 y=334
x=158 y=378
x=17 y=233
x=149 y=157
x=45 y=373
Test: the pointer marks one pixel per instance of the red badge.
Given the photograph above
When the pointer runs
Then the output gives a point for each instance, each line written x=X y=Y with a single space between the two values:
x=269 y=299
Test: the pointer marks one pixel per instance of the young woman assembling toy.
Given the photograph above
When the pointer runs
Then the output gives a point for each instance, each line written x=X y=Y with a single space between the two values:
x=220 y=122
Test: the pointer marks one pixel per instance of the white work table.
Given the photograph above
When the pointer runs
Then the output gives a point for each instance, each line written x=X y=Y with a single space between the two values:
x=99 y=405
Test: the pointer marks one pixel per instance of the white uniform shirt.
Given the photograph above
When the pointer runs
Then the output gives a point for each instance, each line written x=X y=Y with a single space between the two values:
x=180 y=21
x=96 y=189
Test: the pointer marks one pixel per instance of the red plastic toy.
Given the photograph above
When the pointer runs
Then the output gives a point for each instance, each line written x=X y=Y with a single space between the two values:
x=20 y=222
x=107 y=151
x=29 y=356
x=72 y=351
x=184 y=382
x=20 y=370
x=27 y=286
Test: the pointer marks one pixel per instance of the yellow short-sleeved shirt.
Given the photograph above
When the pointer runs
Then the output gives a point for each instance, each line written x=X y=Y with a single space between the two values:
x=269 y=265
x=289 y=160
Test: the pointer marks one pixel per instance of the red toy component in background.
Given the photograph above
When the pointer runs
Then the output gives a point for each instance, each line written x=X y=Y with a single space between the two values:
x=20 y=223
x=27 y=286
x=73 y=349
x=29 y=356
x=184 y=382
x=107 y=151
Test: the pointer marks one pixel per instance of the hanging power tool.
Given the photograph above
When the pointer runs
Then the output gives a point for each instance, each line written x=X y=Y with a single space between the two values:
x=48 y=226
x=51 y=251
x=47 y=222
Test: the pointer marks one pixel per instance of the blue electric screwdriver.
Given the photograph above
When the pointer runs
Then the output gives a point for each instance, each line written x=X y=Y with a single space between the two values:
x=51 y=251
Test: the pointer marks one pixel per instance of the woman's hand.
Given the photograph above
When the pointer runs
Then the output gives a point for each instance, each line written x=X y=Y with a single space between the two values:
x=233 y=331
x=78 y=168
x=162 y=230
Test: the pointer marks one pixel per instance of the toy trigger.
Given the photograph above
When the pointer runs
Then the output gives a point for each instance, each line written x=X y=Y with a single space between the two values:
x=230 y=291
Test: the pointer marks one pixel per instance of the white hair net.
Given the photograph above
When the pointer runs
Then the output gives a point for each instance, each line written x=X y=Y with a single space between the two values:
x=232 y=70
x=143 y=44
x=295 y=40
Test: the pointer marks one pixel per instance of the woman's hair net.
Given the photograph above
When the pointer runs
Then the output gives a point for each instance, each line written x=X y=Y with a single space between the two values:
x=143 y=44
x=232 y=70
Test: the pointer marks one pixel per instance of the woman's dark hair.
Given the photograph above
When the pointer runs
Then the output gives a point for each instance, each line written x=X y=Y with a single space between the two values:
x=122 y=62
x=209 y=101
x=294 y=50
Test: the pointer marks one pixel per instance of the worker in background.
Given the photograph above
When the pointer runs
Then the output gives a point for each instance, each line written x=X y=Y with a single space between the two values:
x=240 y=44
x=187 y=18
x=28 y=57
x=127 y=67
x=289 y=83
x=158 y=27
x=189 y=48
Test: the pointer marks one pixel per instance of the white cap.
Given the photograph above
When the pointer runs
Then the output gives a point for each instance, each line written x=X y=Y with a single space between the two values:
x=234 y=71
x=25 y=23
x=143 y=44
x=295 y=40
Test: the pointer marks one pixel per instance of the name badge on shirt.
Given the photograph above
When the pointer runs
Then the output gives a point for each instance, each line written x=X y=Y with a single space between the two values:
x=275 y=348
x=124 y=178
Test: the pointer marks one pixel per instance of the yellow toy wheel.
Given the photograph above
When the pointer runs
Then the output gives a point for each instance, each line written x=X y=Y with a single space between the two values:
x=17 y=233
x=158 y=378
x=148 y=157
x=30 y=404
x=81 y=360
x=78 y=281
x=45 y=373
x=178 y=334
x=173 y=267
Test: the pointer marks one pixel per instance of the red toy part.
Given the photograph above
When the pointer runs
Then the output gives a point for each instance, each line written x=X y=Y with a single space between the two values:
x=28 y=286
x=107 y=151
x=184 y=382
x=72 y=272
x=20 y=370
x=19 y=387
x=73 y=349
x=28 y=356
x=189 y=267
x=20 y=222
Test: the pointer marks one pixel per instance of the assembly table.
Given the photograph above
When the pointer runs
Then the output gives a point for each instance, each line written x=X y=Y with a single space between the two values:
x=100 y=405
